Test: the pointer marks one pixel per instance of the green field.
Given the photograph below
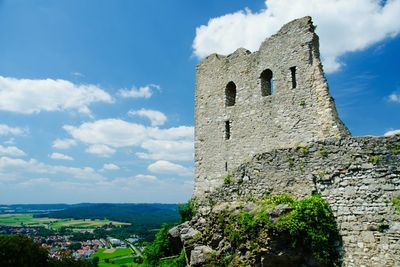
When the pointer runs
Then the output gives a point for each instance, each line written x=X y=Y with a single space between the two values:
x=28 y=220
x=116 y=257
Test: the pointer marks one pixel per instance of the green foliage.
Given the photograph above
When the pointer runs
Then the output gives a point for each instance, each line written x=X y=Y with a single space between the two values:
x=305 y=150
x=160 y=248
x=321 y=173
x=302 y=102
x=396 y=203
x=291 y=163
x=312 y=225
x=228 y=178
x=21 y=251
x=322 y=152
x=187 y=210
x=394 y=147
x=374 y=159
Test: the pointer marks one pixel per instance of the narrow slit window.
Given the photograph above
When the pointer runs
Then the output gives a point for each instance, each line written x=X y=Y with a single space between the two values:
x=227 y=130
x=230 y=94
x=293 y=76
x=226 y=166
x=267 y=84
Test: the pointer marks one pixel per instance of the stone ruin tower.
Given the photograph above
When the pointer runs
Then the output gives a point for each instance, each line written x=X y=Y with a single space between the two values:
x=249 y=103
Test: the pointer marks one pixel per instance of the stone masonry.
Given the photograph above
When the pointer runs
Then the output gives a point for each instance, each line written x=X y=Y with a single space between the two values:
x=249 y=103
x=267 y=119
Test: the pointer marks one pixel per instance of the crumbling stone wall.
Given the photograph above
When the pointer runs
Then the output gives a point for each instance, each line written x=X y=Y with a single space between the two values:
x=358 y=176
x=241 y=111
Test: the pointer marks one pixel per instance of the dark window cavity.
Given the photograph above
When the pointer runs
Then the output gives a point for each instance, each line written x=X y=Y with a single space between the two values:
x=227 y=130
x=230 y=94
x=226 y=166
x=293 y=76
x=266 y=82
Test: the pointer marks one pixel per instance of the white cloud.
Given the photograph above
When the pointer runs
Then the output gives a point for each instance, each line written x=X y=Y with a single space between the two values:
x=156 y=117
x=7 y=130
x=142 y=92
x=167 y=150
x=392 y=132
x=60 y=156
x=13 y=166
x=29 y=96
x=343 y=26
x=119 y=133
x=100 y=150
x=11 y=151
x=394 y=97
x=106 y=135
x=63 y=143
x=110 y=167
x=145 y=178
x=163 y=166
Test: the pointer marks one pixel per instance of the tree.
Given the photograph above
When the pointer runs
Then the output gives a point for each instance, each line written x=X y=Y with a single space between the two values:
x=21 y=251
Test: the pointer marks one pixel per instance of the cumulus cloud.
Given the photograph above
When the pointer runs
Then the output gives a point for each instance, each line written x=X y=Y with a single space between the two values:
x=110 y=167
x=182 y=150
x=19 y=167
x=60 y=156
x=167 y=167
x=29 y=96
x=104 y=136
x=156 y=117
x=100 y=150
x=63 y=143
x=392 y=132
x=11 y=151
x=343 y=26
x=142 y=92
x=394 y=97
x=7 y=130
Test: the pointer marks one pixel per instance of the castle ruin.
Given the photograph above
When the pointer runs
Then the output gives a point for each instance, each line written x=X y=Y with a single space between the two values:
x=248 y=103
x=267 y=120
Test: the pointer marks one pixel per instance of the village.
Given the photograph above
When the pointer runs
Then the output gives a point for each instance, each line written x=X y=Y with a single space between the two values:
x=61 y=245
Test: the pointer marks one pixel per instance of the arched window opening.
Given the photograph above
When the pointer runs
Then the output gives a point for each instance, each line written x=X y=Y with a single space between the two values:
x=230 y=94
x=227 y=130
x=267 y=84
x=293 y=77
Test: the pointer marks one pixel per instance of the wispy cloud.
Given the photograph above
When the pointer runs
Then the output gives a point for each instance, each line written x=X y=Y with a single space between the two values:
x=8 y=130
x=142 y=92
x=63 y=143
x=60 y=156
x=167 y=167
x=11 y=151
x=156 y=117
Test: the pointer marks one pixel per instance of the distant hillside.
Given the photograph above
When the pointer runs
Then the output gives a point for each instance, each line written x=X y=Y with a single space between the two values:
x=149 y=215
x=31 y=208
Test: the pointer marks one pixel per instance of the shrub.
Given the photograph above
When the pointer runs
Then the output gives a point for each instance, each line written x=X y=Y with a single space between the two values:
x=187 y=210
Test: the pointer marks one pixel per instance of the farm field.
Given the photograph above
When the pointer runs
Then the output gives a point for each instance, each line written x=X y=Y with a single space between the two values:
x=115 y=257
x=29 y=220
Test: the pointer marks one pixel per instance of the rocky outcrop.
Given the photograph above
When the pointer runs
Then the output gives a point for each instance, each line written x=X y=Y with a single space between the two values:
x=359 y=177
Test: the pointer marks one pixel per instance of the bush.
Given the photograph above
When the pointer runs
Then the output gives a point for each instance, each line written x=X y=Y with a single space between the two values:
x=160 y=248
x=312 y=226
x=187 y=210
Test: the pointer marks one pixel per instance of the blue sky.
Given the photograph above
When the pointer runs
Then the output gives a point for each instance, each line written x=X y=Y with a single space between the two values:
x=97 y=97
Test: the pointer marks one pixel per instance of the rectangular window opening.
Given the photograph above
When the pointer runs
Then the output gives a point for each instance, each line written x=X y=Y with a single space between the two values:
x=293 y=75
x=227 y=130
x=226 y=166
